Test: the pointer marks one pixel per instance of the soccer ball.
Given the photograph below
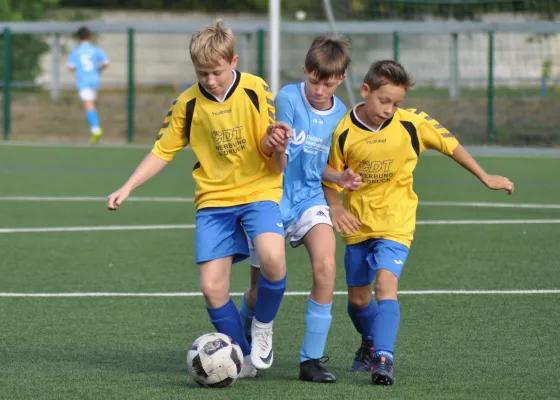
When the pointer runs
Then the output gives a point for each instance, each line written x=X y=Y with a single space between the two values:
x=214 y=360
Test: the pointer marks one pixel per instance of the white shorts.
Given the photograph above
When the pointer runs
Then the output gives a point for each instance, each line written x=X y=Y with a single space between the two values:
x=294 y=233
x=88 y=94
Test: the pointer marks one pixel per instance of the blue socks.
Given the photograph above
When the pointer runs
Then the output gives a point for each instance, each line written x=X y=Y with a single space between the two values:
x=247 y=315
x=317 y=324
x=226 y=320
x=385 y=328
x=269 y=295
x=93 y=119
x=364 y=319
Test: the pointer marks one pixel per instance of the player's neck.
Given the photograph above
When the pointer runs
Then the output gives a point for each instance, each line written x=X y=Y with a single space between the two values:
x=319 y=106
x=220 y=96
x=322 y=106
x=362 y=116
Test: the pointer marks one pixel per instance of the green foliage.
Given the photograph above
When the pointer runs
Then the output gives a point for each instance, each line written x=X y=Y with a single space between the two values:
x=26 y=49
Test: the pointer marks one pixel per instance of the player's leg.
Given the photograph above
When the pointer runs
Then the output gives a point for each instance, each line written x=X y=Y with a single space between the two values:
x=321 y=243
x=249 y=299
x=219 y=241
x=361 y=307
x=263 y=224
x=314 y=229
x=88 y=96
x=387 y=258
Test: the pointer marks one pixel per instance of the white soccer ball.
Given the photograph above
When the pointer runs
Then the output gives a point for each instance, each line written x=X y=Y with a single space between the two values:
x=214 y=360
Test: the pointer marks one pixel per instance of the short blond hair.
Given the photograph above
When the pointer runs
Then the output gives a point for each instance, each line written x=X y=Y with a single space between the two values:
x=211 y=44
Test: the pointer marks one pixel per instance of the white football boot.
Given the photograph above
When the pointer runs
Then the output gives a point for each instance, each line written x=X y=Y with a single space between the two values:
x=261 y=344
x=248 y=370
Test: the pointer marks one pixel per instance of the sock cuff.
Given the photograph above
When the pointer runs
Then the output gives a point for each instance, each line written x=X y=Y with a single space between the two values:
x=318 y=308
x=273 y=284
x=221 y=312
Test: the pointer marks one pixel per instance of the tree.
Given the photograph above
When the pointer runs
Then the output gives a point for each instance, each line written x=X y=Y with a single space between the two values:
x=26 y=49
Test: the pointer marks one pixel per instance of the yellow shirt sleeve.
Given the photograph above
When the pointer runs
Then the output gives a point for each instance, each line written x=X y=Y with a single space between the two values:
x=336 y=160
x=172 y=136
x=267 y=113
x=435 y=136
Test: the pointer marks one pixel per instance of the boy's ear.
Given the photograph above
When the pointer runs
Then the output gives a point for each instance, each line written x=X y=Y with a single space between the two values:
x=364 y=90
x=234 y=61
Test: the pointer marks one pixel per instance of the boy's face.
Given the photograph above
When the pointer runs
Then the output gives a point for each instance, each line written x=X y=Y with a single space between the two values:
x=216 y=79
x=319 y=92
x=381 y=104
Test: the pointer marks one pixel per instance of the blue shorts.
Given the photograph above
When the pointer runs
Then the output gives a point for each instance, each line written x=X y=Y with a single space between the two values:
x=362 y=260
x=220 y=231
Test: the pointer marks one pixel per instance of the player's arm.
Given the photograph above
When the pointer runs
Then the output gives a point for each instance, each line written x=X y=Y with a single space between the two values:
x=348 y=179
x=104 y=62
x=148 y=168
x=171 y=138
x=275 y=140
x=434 y=136
x=494 y=182
x=343 y=221
x=71 y=65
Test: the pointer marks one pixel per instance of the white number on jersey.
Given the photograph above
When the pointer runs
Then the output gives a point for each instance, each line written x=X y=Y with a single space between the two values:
x=87 y=62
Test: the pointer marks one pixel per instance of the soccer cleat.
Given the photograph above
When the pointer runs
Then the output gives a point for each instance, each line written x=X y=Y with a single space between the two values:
x=382 y=371
x=261 y=344
x=313 y=371
x=364 y=356
x=95 y=136
x=248 y=370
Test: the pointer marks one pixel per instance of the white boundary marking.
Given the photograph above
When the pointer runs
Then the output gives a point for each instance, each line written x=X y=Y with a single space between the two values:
x=191 y=199
x=97 y=228
x=477 y=151
x=239 y=294
x=97 y=198
x=192 y=226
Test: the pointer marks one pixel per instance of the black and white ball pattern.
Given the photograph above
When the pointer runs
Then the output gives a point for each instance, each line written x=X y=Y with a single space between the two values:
x=214 y=360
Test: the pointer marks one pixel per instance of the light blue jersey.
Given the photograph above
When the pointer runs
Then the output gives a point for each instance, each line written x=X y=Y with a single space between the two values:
x=308 y=149
x=86 y=58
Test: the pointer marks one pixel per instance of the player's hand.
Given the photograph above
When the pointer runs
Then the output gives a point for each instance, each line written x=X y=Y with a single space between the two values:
x=116 y=198
x=343 y=221
x=350 y=180
x=278 y=136
x=497 y=182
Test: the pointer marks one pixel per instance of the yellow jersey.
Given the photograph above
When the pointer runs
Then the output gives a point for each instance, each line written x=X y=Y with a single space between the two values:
x=385 y=204
x=225 y=137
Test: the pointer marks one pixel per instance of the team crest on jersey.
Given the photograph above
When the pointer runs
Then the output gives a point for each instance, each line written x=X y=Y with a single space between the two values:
x=298 y=139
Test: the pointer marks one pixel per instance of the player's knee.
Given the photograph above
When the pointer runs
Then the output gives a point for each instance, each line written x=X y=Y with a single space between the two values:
x=273 y=263
x=214 y=289
x=324 y=271
x=386 y=285
x=359 y=299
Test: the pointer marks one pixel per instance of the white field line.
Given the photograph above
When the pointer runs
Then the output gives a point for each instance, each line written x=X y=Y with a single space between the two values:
x=191 y=199
x=238 y=294
x=96 y=198
x=97 y=228
x=191 y=226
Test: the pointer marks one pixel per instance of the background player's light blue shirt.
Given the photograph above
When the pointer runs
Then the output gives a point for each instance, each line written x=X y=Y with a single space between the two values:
x=308 y=149
x=86 y=58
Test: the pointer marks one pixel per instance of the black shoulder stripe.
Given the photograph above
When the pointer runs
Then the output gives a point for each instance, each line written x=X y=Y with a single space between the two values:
x=411 y=129
x=418 y=112
x=189 y=117
x=342 y=141
x=254 y=98
x=197 y=165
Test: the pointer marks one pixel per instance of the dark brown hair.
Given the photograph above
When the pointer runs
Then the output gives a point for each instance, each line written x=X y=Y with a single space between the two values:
x=83 y=33
x=387 y=72
x=328 y=57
